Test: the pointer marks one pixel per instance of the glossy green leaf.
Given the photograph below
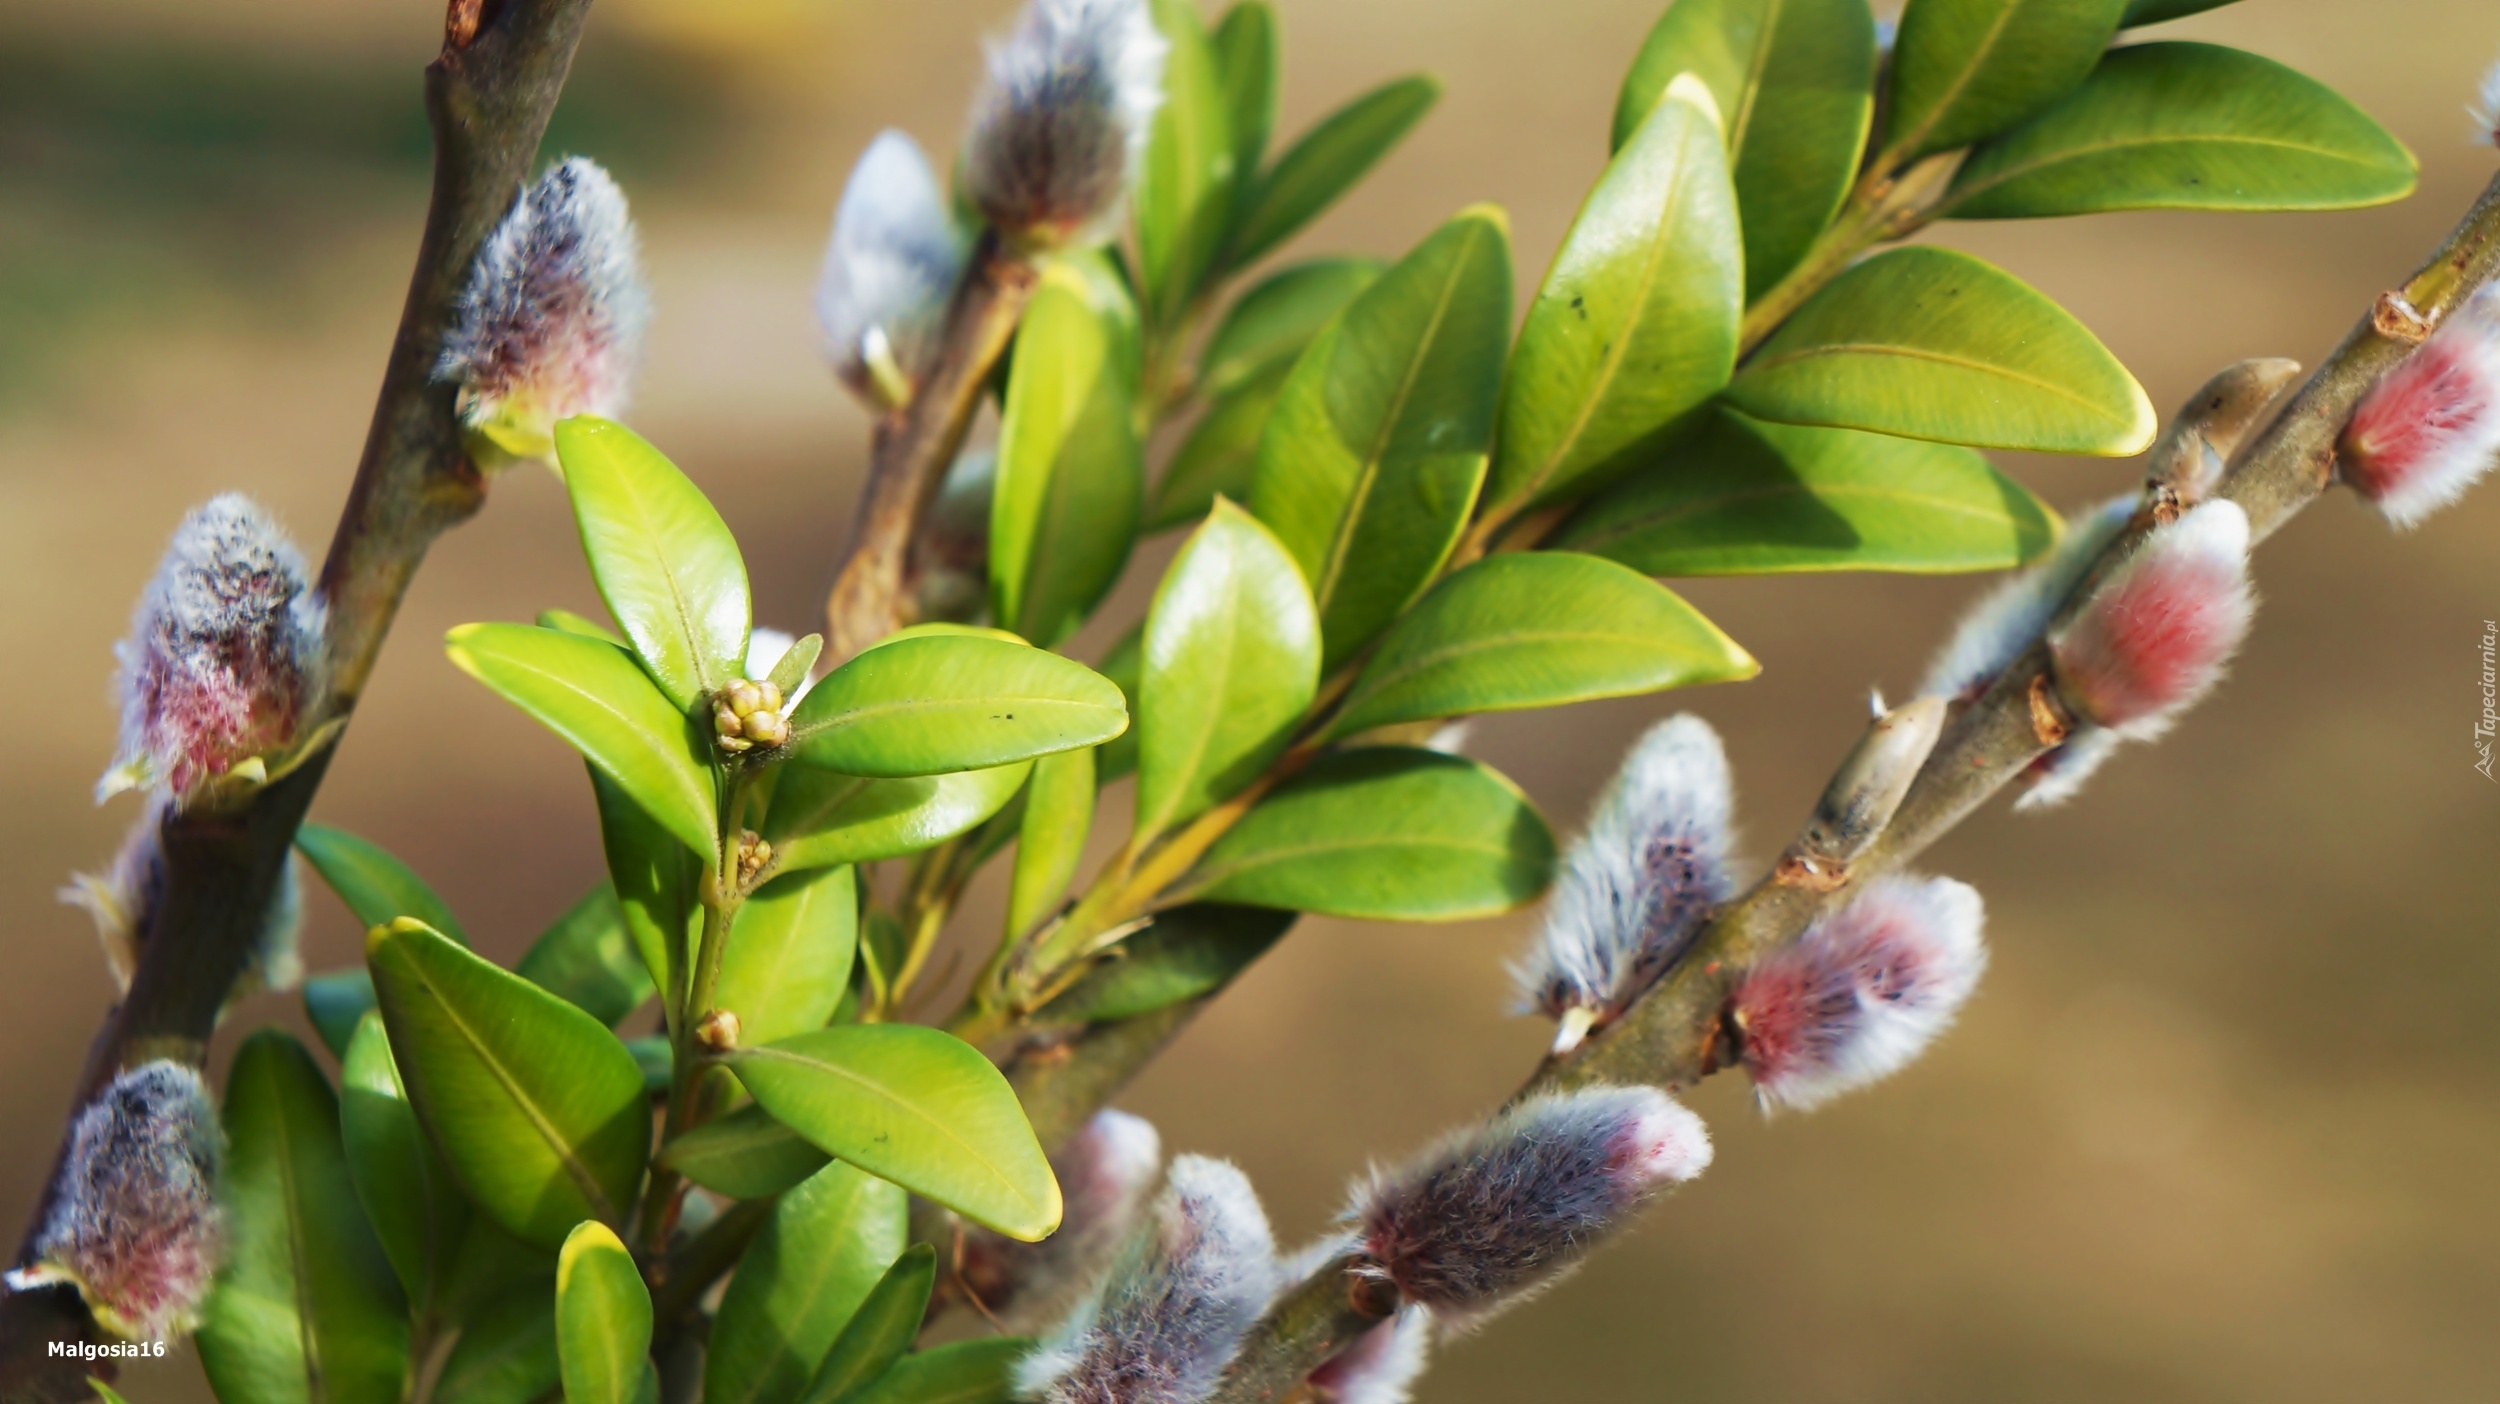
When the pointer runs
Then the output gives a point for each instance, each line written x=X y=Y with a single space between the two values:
x=1273 y=321
x=1187 y=952
x=589 y=957
x=745 y=1154
x=1741 y=497
x=1326 y=161
x=375 y=886
x=603 y=1321
x=1058 y=813
x=2185 y=127
x=663 y=559
x=1184 y=197
x=1391 y=833
x=824 y=1249
x=567 y=622
x=1927 y=343
x=915 y=1106
x=1795 y=80
x=819 y=818
x=2156 y=11
x=966 y=1372
x=595 y=697
x=655 y=878
x=1376 y=446
x=105 y=1393
x=788 y=959
x=1220 y=458
x=416 y=1211
x=1230 y=662
x=536 y=1107
x=936 y=705
x=880 y=1331
x=1636 y=322
x=306 y=1308
x=1243 y=45
x=1124 y=664
x=1071 y=469
x=1967 y=69
x=1537 y=629
x=509 y=1356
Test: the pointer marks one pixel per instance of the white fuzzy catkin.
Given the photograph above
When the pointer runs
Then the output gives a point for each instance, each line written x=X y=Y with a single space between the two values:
x=890 y=268
x=1638 y=883
x=2010 y=618
x=2160 y=630
x=2430 y=428
x=1175 y=1305
x=1106 y=1172
x=1060 y=128
x=1382 y=1365
x=2060 y=775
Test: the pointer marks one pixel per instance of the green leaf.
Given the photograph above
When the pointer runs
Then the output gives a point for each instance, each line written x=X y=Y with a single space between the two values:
x=788 y=959
x=880 y=1331
x=819 y=818
x=655 y=878
x=333 y=1002
x=1058 y=813
x=489 y=1268
x=1273 y=321
x=663 y=559
x=105 y=1393
x=565 y=621
x=1220 y=458
x=966 y=1372
x=1243 y=46
x=744 y=1154
x=1537 y=629
x=306 y=1308
x=1376 y=446
x=509 y=1356
x=1390 y=833
x=1967 y=69
x=1637 y=320
x=656 y=1057
x=915 y=1106
x=1795 y=79
x=1071 y=470
x=375 y=886
x=589 y=957
x=823 y=1251
x=603 y=1321
x=595 y=697
x=1326 y=162
x=2156 y=11
x=1741 y=497
x=1124 y=664
x=2185 y=127
x=407 y=1192
x=1185 y=185
x=536 y=1107
x=1927 y=343
x=1187 y=952
x=935 y=705
x=1230 y=662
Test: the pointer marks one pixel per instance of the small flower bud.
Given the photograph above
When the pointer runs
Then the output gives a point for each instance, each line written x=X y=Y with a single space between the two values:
x=2187 y=464
x=754 y=854
x=2431 y=427
x=2158 y=632
x=1638 y=884
x=718 y=1030
x=1106 y=1173
x=2010 y=618
x=550 y=324
x=1495 y=1213
x=728 y=730
x=890 y=269
x=1059 y=130
x=224 y=664
x=134 y=1224
x=767 y=728
x=1862 y=992
x=1173 y=1309
x=1870 y=784
x=1381 y=1366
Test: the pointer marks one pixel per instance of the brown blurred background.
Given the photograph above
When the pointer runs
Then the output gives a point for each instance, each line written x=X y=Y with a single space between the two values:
x=2224 y=1121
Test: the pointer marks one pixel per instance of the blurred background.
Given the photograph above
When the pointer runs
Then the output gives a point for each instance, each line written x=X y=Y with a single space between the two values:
x=2223 y=1123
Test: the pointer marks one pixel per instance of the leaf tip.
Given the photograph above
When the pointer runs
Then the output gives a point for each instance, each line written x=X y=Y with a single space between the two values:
x=588 y=1237
x=1689 y=89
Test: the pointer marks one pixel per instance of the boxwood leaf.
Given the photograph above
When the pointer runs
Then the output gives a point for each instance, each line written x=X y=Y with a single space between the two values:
x=1636 y=322
x=1376 y=446
x=589 y=957
x=1326 y=162
x=1391 y=833
x=912 y=1105
x=2185 y=127
x=881 y=1330
x=417 y=1212
x=1124 y=664
x=941 y=703
x=509 y=1356
x=1928 y=343
x=965 y=1372
x=1184 y=198
x=1058 y=813
x=603 y=1321
x=788 y=959
x=375 y=886
x=1537 y=629
x=744 y=1154
x=1967 y=69
x=819 y=818
x=1187 y=952
x=1741 y=497
x=826 y=1246
x=1220 y=458
x=661 y=556
x=1243 y=44
x=1273 y=321
x=655 y=878
x=567 y=622
x=536 y=1107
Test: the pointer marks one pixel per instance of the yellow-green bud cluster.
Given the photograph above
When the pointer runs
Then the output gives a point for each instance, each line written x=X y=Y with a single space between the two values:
x=747 y=715
x=754 y=855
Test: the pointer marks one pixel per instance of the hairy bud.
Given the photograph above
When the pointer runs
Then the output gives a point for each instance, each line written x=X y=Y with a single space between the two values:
x=1059 y=129
x=1638 y=884
x=2431 y=427
x=224 y=662
x=2010 y=618
x=1500 y=1211
x=1186 y=1287
x=1869 y=786
x=1862 y=993
x=2059 y=775
x=550 y=324
x=2186 y=465
x=1381 y=1366
x=2157 y=634
x=1106 y=1173
x=134 y=1225
x=889 y=270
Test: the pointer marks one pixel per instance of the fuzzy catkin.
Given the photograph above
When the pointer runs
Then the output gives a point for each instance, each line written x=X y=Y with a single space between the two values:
x=2430 y=428
x=2010 y=618
x=1106 y=1173
x=2157 y=634
x=1060 y=128
x=889 y=269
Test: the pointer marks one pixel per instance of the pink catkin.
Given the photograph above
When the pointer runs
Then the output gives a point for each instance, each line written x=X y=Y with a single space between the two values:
x=2431 y=427
x=2158 y=634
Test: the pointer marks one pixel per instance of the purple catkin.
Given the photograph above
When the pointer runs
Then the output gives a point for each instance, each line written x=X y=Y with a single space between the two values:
x=1174 y=1306
x=135 y=1225
x=1500 y=1211
x=1060 y=128
x=1106 y=1173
